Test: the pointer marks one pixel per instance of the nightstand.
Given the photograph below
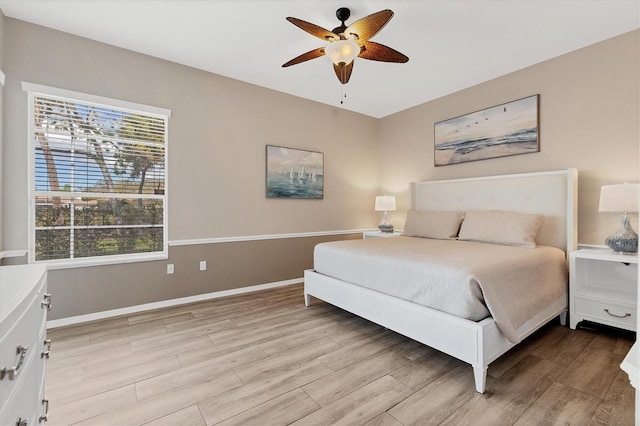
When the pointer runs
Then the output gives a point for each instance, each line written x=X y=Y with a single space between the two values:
x=379 y=234
x=603 y=288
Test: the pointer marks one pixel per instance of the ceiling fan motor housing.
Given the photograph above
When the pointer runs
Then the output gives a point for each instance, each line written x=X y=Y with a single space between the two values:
x=343 y=14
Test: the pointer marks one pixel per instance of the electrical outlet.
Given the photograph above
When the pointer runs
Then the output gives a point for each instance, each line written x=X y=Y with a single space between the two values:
x=203 y=265
x=170 y=268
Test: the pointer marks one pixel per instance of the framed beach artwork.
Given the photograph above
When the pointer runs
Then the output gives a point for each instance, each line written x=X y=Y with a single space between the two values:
x=499 y=131
x=294 y=173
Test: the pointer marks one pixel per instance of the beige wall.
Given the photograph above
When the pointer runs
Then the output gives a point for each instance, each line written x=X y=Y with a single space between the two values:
x=217 y=135
x=218 y=130
x=589 y=119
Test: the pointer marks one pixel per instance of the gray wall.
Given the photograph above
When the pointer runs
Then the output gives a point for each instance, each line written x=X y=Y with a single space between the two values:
x=2 y=18
x=82 y=291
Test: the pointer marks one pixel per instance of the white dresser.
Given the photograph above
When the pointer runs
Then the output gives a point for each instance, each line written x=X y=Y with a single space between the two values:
x=631 y=366
x=24 y=347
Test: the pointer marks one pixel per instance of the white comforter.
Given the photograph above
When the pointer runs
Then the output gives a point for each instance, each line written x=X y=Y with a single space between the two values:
x=467 y=279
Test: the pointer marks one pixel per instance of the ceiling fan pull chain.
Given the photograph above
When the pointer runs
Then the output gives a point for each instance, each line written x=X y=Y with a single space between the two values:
x=342 y=94
x=342 y=87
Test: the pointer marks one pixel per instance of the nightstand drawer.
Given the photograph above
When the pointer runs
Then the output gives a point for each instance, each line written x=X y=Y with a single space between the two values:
x=607 y=312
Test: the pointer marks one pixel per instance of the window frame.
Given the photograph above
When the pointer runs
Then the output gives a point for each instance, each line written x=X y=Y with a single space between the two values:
x=34 y=90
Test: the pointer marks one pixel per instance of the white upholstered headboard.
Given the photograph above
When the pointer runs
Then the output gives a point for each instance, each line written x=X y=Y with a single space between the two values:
x=553 y=194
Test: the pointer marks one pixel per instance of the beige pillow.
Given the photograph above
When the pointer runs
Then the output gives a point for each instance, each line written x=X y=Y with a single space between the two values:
x=432 y=224
x=501 y=227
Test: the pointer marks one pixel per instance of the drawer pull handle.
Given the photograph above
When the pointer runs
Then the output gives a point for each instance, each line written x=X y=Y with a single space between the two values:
x=13 y=371
x=47 y=302
x=44 y=417
x=627 y=314
x=47 y=349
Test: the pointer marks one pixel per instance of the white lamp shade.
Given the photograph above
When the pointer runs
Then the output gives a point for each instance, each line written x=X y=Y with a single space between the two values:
x=385 y=203
x=619 y=198
x=342 y=51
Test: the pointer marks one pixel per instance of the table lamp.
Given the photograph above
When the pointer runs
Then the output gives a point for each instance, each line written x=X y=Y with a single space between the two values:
x=622 y=198
x=385 y=203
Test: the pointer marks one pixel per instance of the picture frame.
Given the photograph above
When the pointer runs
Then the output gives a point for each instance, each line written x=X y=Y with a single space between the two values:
x=294 y=173
x=502 y=130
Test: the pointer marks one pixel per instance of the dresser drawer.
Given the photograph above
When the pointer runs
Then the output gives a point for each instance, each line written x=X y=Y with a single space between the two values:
x=19 y=284
x=606 y=312
x=40 y=361
x=24 y=332
x=42 y=404
x=21 y=398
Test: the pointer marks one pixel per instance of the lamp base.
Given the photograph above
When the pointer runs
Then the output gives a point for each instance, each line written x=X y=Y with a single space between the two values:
x=385 y=226
x=387 y=229
x=625 y=239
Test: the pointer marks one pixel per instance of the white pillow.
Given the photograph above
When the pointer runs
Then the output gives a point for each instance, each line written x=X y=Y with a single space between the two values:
x=432 y=224
x=501 y=227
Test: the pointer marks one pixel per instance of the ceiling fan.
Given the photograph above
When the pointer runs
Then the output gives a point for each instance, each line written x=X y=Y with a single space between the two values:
x=348 y=42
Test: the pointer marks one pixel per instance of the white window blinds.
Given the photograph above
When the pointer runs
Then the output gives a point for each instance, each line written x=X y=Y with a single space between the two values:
x=99 y=180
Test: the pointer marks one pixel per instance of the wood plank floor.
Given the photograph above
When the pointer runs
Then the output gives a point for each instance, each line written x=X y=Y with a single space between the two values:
x=265 y=359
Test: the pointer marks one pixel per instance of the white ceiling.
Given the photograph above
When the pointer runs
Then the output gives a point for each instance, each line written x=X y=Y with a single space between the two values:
x=451 y=44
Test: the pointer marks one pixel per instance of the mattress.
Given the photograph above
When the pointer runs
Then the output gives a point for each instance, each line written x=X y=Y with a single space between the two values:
x=468 y=279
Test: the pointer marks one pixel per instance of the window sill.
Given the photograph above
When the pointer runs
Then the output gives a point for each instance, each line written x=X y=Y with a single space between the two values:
x=101 y=261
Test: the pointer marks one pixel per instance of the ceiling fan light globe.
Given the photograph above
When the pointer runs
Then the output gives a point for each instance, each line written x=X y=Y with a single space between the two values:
x=342 y=51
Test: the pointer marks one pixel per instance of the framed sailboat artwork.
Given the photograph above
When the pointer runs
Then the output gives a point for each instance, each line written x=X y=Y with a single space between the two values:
x=294 y=173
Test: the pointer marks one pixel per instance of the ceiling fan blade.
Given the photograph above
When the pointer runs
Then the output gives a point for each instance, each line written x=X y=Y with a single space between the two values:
x=313 y=29
x=380 y=52
x=312 y=54
x=343 y=72
x=369 y=26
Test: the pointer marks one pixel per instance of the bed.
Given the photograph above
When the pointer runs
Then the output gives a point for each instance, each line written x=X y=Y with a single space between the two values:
x=477 y=342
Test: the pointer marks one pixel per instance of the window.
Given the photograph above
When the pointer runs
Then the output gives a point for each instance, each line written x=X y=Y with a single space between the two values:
x=98 y=179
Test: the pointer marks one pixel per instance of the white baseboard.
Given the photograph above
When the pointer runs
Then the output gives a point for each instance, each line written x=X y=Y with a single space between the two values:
x=166 y=303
